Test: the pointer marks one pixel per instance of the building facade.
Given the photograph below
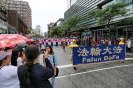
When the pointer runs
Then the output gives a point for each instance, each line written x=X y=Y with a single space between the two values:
x=50 y=25
x=70 y=3
x=59 y=22
x=38 y=30
x=14 y=19
x=23 y=8
x=89 y=23
x=3 y=18
x=12 y=29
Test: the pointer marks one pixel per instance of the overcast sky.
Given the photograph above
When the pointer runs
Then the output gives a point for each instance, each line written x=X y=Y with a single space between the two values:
x=46 y=11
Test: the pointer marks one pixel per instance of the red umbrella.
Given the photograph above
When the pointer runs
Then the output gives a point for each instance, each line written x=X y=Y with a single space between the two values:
x=7 y=40
x=24 y=38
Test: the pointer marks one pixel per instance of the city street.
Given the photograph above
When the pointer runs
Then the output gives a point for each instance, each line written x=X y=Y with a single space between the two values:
x=108 y=75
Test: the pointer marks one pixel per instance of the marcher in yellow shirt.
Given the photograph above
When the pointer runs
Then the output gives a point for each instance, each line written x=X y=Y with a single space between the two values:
x=121 y=41
x=71 y=47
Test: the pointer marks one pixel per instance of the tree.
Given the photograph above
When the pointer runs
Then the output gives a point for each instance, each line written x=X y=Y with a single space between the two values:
x=28 y=31
x=105 y=16
x=56 y=31
x=45 y=34
x=71 y=23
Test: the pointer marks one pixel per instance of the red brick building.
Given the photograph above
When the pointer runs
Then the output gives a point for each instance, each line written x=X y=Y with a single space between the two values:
x=23 y=8
x=15 y=20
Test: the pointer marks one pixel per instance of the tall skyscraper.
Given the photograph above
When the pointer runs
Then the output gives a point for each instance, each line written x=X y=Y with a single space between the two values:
x=23 y=8
x=70 y=3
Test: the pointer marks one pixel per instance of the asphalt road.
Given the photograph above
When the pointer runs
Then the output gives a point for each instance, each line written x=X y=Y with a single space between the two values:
x=108 y=75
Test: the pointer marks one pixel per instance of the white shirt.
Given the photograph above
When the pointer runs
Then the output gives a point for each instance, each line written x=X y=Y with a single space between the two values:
x=129 y=44
x=19 y=61
x=9 y=77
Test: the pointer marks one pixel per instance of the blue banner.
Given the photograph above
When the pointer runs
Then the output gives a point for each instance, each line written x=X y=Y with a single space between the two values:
x=94 y=54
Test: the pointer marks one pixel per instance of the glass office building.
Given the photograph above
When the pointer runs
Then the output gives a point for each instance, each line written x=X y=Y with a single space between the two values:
x=82 y=7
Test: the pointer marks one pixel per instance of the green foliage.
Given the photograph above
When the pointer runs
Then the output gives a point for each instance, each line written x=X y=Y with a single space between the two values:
x=106 y=15
x=56 y=31
x=127 y=21
x=45 y=34
x=37 y=35
x=28 y=31
x=71 y=23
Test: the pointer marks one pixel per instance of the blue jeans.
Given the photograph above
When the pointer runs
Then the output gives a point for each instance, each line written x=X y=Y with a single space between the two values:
x=53 y=81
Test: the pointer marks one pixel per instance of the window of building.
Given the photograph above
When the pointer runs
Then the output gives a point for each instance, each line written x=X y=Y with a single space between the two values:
x=17 y=2
x=17 y=5
x=25 y=3
x=10 y=4
x=25 y=7
x=126 y=1
x=4 y=0
x=11 y=8
x=17 y=8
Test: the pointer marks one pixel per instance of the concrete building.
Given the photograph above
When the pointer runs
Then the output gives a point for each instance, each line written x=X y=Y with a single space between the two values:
x=38 y=30
x=3 y=18
x=70 y=3
x=12 y=29
x=89 y=23
x=59 y=22
x=50 y=25
x=23 y=8
x=14 y=19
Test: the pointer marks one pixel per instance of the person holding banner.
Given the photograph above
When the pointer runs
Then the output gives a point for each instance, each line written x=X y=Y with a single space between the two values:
x=71 y=47
x=40 y=43
x=52 y=40
x=57 y=40
x=121 y=43
x=46 y=42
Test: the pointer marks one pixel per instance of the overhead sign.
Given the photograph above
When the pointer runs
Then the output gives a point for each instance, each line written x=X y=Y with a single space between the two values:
x=95 y=54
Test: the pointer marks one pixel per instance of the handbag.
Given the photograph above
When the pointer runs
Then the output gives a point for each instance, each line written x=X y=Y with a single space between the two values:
x=57 y=69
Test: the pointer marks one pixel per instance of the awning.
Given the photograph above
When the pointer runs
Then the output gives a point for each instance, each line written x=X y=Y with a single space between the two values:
x=86 y=33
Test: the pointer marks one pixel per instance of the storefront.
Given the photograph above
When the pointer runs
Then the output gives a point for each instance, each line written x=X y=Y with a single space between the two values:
x=74 y=34
x=3 y=27
x=3 y=31
x=121 y=31
x=86 y=33
x=11 y=29
x=125 y=31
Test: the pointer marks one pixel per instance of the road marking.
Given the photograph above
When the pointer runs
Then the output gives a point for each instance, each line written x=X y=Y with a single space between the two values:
x=94 y=71
x=65 y=66
x=70 y=65
x=128 y=58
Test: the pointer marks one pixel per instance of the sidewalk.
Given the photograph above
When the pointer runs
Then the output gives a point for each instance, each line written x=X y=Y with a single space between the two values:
x=129 y=55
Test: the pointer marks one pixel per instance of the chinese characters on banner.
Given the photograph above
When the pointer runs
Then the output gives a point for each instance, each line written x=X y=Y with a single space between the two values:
x=94 y=54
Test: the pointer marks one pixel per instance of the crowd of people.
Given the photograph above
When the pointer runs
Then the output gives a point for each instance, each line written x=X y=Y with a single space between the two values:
x=109 y=41
x=87 y=41
x=20 y=68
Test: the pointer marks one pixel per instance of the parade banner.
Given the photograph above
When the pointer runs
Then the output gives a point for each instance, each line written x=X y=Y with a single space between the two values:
x=95 y=54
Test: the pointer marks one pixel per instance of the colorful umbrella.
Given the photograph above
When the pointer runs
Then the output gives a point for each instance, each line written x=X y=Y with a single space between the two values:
x=7 y=40
x=24 y=38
